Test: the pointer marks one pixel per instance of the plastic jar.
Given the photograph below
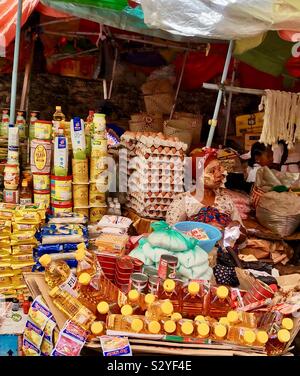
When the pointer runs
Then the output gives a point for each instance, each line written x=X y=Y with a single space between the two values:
x=11 y=176
x=41 y=182
x=61 y=188
x=40 y=156
x=42 y=197
x=61 y=208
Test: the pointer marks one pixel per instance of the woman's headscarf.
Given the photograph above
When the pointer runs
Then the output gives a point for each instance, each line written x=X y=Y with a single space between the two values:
x=209 y=154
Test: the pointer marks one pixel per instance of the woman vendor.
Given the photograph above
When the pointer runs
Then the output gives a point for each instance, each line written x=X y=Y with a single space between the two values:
x=215 y=207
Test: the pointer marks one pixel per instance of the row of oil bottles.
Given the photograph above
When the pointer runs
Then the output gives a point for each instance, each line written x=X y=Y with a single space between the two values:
x=96 y=304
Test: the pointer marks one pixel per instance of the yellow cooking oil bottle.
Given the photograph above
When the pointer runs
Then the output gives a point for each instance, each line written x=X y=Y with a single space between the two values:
x=277 y=343
x=219 y=331
x=169 y=326
x=240 y=318
x=153 y=326
x=159 y=309
x=171 y=290
x=202 y=329
x=59 y=274
x=87 y=260
x=219 y=301
x=176 y=316
x=97 y=330
x=72 y=308
x=242 y=336
x=139 y=302
x=193 y=300
x=87 y=293
x=185 y=327
x=129 y=323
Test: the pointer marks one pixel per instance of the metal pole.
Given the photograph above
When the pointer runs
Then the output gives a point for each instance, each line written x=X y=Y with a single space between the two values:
x=14 y=81
x=228 y=111
x=213 y=122
x=113 y=74
x=179 y=84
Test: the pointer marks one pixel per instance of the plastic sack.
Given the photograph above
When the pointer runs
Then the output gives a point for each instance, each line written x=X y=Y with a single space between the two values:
x=166 y=237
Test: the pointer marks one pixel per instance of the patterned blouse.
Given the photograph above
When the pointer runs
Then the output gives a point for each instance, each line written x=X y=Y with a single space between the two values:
x=185 y=205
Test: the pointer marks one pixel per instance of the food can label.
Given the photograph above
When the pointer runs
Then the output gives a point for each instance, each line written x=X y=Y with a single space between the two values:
x=166 y=269
x=40 y=157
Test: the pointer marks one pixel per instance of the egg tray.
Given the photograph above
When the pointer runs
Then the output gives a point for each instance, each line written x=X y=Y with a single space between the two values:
x=149 y=205
x=160 y=158
x=159 y=151
x=144 y=178
x=135 y=186
x=159 y=139
x=140 y=163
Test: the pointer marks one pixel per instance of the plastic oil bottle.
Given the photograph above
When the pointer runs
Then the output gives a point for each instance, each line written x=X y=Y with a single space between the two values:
x=87 y=260
x=261 y=338
x=139 y=301
x=160 y=309
x=169 y=326
x=277 y=343
x=58 y=274
x=87 y=293
x=240 y=318
x=176 y=316
x=240 y=335
x=219 y=331
x=153 y=326
x=58 y=118
x=185 y=327
x=202 y=330
x=172 y=291
x=219 y=302
x=193 y=300
x=97 y=329
x=72 y=308
x=129 y=323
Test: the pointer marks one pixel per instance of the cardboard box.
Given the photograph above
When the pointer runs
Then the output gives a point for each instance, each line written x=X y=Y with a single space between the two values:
x=249 y=123
x=250 y=139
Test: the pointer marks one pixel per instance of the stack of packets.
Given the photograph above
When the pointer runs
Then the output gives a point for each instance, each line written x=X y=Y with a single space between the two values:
x=61 y=234
x=39 y=335
x=19 y=226
x=113 y=236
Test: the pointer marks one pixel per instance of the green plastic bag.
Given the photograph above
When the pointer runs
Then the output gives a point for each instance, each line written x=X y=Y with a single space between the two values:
x=166 y=237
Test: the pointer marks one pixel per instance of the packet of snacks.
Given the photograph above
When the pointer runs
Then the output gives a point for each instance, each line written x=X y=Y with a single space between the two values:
x=39 y=312
x=70 y=341
x=48 y=340
x=27 y=217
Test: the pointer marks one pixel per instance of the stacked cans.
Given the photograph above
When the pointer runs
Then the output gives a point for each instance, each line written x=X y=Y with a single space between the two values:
x=98 y=169
x=80 y=168
x=61 y=194
x=40 y=159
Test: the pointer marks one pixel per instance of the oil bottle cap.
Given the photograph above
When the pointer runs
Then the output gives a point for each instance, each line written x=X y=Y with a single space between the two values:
x=170 y=326
x=283 y=335
x=154 y=327
x=262 y=337
x=224 y=321
x=233 y=317
x=176 y=316
x=203 y=329
x=97 y=327
x=53 y=292
x=169 y=285
x=126 y=310
x=149 y=298
x=133 y=295
x=249 y=336
x=187 y=328
x=81 y=246
x=103 y=308
x=220 y=330
x=199 y=318
x=84 y=279
x=222 y=292
x=167 y=308
x=80 y=254
x=45 y=260
x=287 y=323
x=137 y=325
x=193 y=288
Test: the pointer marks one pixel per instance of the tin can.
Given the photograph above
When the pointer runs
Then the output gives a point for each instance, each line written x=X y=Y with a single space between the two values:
x=139 y=282
x=40 y=156
x=80 y=170
x=167 y=267
x=41 y=182
x=150 y=270
x=61 y=208
x=61 y=188
x=42 y=197
x=153 y=284
x=81 y=195
x=11 y=176
x=11 y=196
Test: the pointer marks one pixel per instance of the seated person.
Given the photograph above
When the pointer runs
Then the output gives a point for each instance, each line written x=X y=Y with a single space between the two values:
x=215 y=207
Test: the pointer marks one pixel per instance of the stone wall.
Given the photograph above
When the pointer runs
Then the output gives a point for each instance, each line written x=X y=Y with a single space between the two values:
x=77 y=96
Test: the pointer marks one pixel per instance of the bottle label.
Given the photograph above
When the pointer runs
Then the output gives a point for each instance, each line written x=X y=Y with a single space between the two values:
x=25 y=201
x=70 y=285
x=40 y=157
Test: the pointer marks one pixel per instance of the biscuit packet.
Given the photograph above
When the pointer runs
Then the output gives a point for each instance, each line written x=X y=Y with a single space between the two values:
x=22 y=237
x=18 y=227
x=26 y=216
x=39 y=313
x=33 y=334
x=22 y=249
x=46 y=347
x=29 y=349
x=70 y=341
x=49 y=329
x=5 y=227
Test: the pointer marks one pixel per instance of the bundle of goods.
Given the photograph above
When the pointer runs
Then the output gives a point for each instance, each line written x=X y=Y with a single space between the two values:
x=18 y=226
x=158 y=173
x=281 y=118
x=188 y=258
x=144 y=122
x=241 y=202
x=63 y=234
x=158 y=96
